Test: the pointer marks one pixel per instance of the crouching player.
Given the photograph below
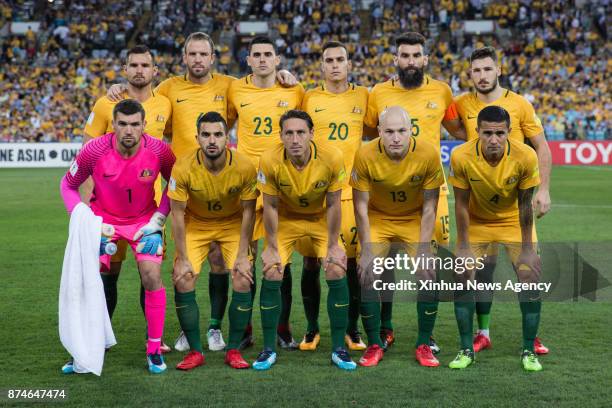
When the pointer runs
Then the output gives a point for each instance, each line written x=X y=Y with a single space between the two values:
x=213 y=193
x=124 y=166
x=493 y=178
x=302 y=185
x=396 y=182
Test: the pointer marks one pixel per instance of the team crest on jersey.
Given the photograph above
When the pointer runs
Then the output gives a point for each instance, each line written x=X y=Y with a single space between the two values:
x=432 y=105
x=219 y=98
x=511 y=180
x=145 y=173
x=234 y=190
x=320 y=184
x=416 y=179
x=161 y=118
x=356 y=109
x=283 y=104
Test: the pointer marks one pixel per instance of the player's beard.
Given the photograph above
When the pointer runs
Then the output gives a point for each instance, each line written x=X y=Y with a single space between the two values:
x=198 y=75
x=488 y=90
x=213 y=156
x=140 y=85
x=410 y=80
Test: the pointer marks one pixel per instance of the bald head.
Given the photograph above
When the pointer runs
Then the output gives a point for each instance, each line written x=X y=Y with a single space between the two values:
x=394 y=114
x=394 y=130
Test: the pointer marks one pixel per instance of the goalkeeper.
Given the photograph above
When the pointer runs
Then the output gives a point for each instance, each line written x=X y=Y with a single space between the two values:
x=124 y=166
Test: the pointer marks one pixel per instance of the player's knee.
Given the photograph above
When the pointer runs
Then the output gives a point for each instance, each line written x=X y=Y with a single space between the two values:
x=186 y=284
x=241 y=284
x=334 y=271
x=311 y=263
x=275 y=273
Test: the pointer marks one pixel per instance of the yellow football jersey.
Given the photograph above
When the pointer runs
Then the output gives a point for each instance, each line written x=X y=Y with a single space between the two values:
x=426 y=105
x=523 y=119
x=396 y=188
x=494 y=190
x=213 y=197
x=189 y=100
x=302 y=193
x=157 y=112
x=338 y=122
x=259 y=111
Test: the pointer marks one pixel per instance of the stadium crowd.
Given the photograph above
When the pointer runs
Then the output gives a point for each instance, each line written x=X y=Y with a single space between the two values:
x=555 y=53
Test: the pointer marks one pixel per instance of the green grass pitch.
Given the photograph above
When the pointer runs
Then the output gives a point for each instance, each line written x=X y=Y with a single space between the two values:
x=34 y=231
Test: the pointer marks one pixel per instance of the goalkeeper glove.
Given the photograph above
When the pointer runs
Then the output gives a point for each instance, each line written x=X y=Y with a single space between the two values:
x=149 y=236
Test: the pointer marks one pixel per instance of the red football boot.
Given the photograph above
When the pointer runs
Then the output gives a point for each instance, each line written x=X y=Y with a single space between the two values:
x=234 y=359
x=481 y=342
x=538 y=347
x=425 y=357
x=372 y=356
x=192 y=360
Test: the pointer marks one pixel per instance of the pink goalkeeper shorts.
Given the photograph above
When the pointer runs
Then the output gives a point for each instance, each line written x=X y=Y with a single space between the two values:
x=127 y=232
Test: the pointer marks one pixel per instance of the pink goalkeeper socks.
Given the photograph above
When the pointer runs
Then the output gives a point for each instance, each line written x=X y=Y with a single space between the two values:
x=155 y=313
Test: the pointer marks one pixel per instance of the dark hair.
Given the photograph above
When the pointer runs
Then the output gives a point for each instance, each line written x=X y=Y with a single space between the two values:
x=128 y=107
x=410 y=38
x=139 y=49
x=211 y=117
x=261 y=39
x=296 y=114
x=333 y=44
x=482 y=53
x=199 y=36
x=494 y=114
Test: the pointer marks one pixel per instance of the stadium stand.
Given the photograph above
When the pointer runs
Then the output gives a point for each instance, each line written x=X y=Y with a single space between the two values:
x=555 y=52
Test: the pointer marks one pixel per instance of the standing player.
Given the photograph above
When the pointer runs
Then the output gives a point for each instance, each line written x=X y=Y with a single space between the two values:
x=140 y=69
x=396 y=182
x=484 y=73
x=212 y=194
x=494 y=177
x=337 y=109
x=124 y=166
x=259 y=101
x=429 y=104
x=301 y=184
x=192 y=94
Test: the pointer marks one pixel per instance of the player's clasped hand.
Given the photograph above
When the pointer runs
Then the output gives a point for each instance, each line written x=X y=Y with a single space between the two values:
x=150 y=236
x=271 y=261
x=182 y=269
x=242 y=266
x=335 y=256
x=529 y=266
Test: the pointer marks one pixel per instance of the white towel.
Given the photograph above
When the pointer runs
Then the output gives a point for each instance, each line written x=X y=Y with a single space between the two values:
x=84 y=326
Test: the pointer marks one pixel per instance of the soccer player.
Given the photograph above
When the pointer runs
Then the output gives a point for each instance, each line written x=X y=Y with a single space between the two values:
x=396 y=182
x=484 y=73
x=337 y=109
x=301 y=184
x=140 y=69
x=259 y=101
x=192 y=94
x=124 y=166
x=493 y=178
x=212 y=192
x=429 y=103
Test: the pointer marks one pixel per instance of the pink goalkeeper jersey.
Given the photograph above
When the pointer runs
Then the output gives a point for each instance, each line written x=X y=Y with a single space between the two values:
x=124 y=191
